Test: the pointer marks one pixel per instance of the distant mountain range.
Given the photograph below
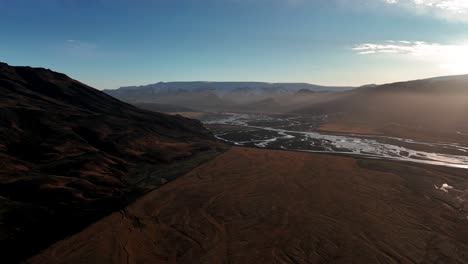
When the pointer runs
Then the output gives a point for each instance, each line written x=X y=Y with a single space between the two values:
x=221 y=88
x=219 y=95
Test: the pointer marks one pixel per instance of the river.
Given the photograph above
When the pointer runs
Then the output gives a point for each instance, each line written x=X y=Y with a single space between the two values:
x=300 y=133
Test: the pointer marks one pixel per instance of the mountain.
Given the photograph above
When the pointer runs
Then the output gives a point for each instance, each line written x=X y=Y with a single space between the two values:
x=430 y=108
x=216 y=95
x=163 y=107
x=221 y=88
x=72 y=154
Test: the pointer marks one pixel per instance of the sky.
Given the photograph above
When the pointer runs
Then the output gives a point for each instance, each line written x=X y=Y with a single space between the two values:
x=112 y=43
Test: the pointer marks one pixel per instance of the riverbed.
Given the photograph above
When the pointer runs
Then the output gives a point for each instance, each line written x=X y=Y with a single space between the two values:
x=300 y=133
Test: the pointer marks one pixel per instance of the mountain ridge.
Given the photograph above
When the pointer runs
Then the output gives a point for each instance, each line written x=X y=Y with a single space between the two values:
x=232 y=85
x=72 y=154
x=225 y=96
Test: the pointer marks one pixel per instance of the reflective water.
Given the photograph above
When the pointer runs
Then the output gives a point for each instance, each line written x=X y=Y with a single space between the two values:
x=296 y=133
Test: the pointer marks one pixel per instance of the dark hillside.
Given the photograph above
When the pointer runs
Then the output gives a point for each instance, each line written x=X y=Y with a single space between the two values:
x=71 y=154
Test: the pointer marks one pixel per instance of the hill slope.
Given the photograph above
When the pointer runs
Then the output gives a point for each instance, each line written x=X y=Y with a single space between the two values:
x=432 y=108
x=264 y=206
x=71 y=154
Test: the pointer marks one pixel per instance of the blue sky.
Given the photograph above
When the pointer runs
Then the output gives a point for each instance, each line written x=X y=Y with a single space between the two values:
x=113 y=43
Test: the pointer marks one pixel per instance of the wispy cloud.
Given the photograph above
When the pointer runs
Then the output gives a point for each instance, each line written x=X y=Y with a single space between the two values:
x=449 y=10
x=454 y=10
x=416 y=48
x=451 y=57
x=80 y=48
x=456 y=6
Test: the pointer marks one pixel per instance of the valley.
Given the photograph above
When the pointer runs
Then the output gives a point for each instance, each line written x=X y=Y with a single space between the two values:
x=234 y=132
x=87 y=178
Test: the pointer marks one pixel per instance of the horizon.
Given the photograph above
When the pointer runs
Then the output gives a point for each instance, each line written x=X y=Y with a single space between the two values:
x=245 y=81
x=327 y=43
x=311 y=83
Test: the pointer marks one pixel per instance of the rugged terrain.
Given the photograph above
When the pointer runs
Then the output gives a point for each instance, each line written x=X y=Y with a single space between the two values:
x=266 y=206
x=71 y=154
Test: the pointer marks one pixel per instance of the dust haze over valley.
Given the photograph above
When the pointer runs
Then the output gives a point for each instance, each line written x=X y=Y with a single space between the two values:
x=419 y=121
x=228 y=96
x=337 y=131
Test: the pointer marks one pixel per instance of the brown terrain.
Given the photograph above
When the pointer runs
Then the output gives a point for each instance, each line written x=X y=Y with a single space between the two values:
x=431 y=109
x=266 y=206
x=71 y=154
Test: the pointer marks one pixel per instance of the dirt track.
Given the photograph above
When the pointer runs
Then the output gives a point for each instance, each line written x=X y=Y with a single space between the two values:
x=264 y=206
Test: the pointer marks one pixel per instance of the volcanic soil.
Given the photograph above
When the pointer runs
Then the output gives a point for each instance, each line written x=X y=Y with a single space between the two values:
x=267 y=206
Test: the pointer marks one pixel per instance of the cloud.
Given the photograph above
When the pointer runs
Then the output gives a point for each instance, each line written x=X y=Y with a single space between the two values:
x=453 y=10
x=453 y=58
x=79 y=48
x=456 y=6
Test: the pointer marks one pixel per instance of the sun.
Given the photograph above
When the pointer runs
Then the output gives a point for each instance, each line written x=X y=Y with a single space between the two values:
x=454 y=59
